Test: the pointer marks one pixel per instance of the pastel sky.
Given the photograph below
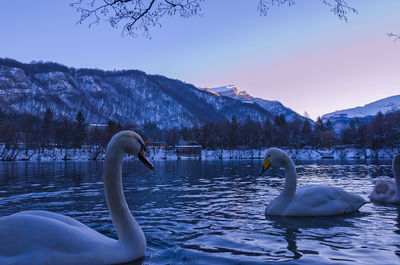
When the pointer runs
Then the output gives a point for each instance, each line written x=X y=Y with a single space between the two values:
x=303 y=56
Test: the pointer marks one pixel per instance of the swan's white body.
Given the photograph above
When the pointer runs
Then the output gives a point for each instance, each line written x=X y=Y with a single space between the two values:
x=312 y=200
x=41 y=237
x=387 y=190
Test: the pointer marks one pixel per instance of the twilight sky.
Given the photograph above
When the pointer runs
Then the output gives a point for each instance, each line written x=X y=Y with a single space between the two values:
x=303 y=56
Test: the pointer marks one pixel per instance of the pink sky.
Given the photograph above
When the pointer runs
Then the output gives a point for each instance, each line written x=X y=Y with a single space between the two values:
x=330 y=67
x=327 y=80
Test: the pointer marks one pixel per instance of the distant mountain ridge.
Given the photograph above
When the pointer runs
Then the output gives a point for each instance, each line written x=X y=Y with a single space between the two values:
x=128 y=96
x=386 y=105
x=275 y=107
x=341 y=118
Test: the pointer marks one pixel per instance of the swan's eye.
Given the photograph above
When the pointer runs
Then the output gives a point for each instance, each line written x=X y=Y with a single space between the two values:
x=269 y=155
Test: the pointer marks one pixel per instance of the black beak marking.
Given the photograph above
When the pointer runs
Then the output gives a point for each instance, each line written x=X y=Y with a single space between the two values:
x=142 y=157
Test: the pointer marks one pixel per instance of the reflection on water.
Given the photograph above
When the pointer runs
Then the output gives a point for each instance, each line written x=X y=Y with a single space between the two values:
x=212 y=212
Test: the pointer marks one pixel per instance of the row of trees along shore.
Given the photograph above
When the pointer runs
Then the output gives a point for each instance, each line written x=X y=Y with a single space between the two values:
x=30 y=132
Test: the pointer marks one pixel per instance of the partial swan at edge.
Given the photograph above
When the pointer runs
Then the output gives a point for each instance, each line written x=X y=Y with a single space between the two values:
x=310 y=200
x=41 y=237
x=387 y=190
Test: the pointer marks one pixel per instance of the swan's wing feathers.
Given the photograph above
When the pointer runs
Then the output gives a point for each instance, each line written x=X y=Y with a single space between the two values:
x=315 y=200
x=53 y=216
x=46 y=230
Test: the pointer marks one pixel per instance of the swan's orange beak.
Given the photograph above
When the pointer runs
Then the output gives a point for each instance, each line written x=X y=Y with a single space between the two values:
x=266 y=165
x=142 y=157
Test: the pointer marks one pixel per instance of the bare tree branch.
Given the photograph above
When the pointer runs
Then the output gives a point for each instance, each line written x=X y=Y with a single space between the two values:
x=135 y=15
x=265 y=5
x=394 y=36
x=139 y=15
x=338 y=7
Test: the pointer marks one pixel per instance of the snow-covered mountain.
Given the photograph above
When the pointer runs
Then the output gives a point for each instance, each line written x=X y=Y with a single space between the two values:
x=386 y=105
x=275 y=107
x=232 y=92
x=128 y=96
x=341 y=119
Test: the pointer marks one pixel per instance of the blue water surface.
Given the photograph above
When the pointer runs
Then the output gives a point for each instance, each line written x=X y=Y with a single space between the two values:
x=212 y=212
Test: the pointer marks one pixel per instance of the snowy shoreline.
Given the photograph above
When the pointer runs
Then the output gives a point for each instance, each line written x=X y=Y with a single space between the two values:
x=87 y=154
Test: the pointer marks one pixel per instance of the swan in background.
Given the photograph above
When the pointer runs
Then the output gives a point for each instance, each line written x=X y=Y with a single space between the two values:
x=311 y=200
x=41 y=237
x=387 y=190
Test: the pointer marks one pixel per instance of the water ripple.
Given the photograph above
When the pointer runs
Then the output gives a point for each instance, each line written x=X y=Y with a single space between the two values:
x=199 y=212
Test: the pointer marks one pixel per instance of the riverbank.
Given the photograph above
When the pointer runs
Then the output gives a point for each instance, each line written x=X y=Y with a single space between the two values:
x=94 y=153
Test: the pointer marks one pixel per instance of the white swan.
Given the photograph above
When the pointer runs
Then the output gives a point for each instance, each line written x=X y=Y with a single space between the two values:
x=387 y=190
x=41 y=237
x=312 y=200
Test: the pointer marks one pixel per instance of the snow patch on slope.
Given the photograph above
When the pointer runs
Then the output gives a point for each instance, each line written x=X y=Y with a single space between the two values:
x=386 y=105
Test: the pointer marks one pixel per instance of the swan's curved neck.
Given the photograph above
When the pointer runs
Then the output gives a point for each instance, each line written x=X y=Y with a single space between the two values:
x=289 y=190
x=125 y=224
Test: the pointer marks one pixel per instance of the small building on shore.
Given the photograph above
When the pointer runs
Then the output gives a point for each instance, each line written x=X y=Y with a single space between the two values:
x=188 y=149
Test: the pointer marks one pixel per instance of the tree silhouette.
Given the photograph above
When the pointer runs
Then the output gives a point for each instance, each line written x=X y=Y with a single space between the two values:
x=377 y=131
x=306 y=132
x=282 y=134
x=233 y=133
x=112 y=128
x=140 y=15
x=64 y=134
x=338 y=7
x=135 y=15
x=394 y=36
x=80 y=130
x=349 y=134
x=46 y=129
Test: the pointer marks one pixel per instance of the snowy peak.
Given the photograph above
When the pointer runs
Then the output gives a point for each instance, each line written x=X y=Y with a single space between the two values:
x=386 y=105
x=275 y=107
x=229 y=91
x=224 y=89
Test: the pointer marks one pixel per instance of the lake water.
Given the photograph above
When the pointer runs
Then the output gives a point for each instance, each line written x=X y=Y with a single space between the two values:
x=212 y=212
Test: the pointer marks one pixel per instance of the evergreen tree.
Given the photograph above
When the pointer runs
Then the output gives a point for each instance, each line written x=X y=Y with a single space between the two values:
x=112 y=128
x=319 y=125
x=361 y=139
x=64 y=135
x=349 y=134
x=267 y=133
x=295 y=136
x=233 y=132
x=46 y=127
x=377 y=132
x=250 y=133
x=306 y=133
x=392 y=130
x=282 y=133
x=151 y=130
x=328 y=126
x=318 y=133
x=80 y=130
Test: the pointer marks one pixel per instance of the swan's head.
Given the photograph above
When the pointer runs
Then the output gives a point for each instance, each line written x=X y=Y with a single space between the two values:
x=272 y=157
x=396 y=166
x=132 y=144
